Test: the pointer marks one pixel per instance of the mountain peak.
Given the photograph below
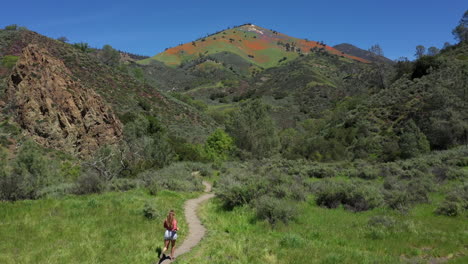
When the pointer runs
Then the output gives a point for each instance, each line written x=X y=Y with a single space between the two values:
x=256 y=45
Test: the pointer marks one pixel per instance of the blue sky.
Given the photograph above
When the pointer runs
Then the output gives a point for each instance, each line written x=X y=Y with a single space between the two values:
x=148 y=27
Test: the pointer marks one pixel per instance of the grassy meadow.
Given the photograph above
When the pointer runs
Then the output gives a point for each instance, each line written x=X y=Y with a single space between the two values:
x=321 y=235
x=104 y=228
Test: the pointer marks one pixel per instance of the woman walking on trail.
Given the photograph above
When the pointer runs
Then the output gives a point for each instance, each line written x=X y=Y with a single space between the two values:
x=170 y=236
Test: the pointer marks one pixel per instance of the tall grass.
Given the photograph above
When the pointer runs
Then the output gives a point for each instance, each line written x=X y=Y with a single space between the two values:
x=105 y=228
x=321 y=235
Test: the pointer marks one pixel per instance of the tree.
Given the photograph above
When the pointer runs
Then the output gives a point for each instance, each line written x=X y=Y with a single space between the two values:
x=218 y=145
x=83 y=46
x=412 y=141
x=62 y=39
x=253 y=129
x=432 y=51
x=379 y=66
x=446 y=45
x=376 y=49
x=460 y=32
x=420 y=51
x=109 y=55
x=11 y=27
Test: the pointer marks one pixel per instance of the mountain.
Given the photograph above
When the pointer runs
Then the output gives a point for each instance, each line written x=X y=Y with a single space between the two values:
x=255 y=45
x=355 y=51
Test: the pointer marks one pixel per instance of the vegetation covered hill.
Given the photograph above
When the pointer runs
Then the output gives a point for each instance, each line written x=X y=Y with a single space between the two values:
x=365 y=54
x=258 y=46
x=125 y=94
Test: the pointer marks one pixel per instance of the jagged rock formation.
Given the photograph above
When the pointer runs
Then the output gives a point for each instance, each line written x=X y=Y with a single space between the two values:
x=55 y=108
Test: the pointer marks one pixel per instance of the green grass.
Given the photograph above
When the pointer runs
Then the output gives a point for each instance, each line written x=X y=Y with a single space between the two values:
x=322 y=235
x=106 y=228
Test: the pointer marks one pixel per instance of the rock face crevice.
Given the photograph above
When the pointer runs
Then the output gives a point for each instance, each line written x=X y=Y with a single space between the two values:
x=55 y=108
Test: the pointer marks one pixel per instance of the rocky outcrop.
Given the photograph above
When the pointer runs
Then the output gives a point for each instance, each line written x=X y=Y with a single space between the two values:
x=55 y=108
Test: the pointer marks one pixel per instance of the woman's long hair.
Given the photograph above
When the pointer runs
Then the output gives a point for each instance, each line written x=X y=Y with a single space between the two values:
x=170 y=219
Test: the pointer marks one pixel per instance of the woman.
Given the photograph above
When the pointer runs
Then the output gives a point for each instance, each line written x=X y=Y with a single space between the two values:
x=171 y=233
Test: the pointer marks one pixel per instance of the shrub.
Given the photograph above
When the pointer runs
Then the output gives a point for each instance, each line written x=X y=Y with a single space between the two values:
x=382 y=220
x=275 y=210
x=398 y=200
x=239 y=190
x=149 y=212
x=123 y=184
x=11 y=27
x=176 y=177
x=321 y=171
x=356 y=196
x=292 y=240
x=31 y=172
x=456 y=202
x=89 y=183
x=57 y=191
x=449 y=208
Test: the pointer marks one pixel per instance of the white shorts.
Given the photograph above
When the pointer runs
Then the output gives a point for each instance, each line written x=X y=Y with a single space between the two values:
x=170 y=235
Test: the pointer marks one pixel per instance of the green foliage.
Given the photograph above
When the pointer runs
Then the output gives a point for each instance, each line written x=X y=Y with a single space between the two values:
x=176 y=177
x=352 y=195
x=460 y=32
x=9 y=61
x=109 y=55
x=218 y=146
x=200 y=105
x=82 y=46
x=147 y=144
x=412 y=141
x=420 y=51
x=11 y=27
x=149 y=212
x=248 y=184
x=89 y=182
x=456 y=202
x=63 y=39
x=29 y=174
x=253 y=129
x=424 y=65
x=275 y=210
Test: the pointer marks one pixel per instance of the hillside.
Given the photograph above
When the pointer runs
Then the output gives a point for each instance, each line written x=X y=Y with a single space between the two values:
x=358 y=52
x=72 y=69
x=258 y=46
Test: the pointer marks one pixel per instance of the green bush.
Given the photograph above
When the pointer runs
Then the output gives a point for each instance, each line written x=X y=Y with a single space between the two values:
x=254 y=130
x=456 y=202
x=355 y=196
x=449 y=208
x=321 y=171
x=218 y=146
x=382 y=220
x=292 y=240
x=31 y=171
x=149 y=212
x=57 y=191
x=11 y=27
x=275 y=210
x=176 y=177
x=245 y=184
x=88 y=183
x=123 y=184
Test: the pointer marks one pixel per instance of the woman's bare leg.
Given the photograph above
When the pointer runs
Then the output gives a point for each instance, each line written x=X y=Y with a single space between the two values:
x=166 y=245
x=172 y=248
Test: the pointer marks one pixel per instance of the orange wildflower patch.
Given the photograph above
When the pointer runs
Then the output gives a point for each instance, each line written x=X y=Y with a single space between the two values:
x=255 y=44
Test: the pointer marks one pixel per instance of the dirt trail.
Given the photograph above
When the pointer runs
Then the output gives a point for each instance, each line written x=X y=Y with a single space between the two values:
x=196 y=229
